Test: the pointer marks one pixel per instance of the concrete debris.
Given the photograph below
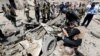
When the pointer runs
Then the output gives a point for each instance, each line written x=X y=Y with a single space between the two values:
x=96 y=33
x=8 y=29
x=39 y=39
x=25 y=44
x=21 y=48
x=29 y=45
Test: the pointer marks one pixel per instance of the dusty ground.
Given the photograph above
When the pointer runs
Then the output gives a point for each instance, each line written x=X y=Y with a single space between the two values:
x=90 y=45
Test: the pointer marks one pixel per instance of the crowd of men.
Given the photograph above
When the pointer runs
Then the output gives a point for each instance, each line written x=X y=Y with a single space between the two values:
x=48 y=11
x=72 y=12
x=45 y=12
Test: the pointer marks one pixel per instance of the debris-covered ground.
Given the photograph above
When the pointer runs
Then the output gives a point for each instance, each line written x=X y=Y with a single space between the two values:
x=26 y=42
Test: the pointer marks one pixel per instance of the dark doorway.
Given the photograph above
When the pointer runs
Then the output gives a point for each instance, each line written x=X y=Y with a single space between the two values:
x=12 y=3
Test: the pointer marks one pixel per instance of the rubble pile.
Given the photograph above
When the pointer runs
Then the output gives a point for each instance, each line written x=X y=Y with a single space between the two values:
x=28 y=44
x=21 y=42
x=22 y=48
x=40 y=39
x=18 y=42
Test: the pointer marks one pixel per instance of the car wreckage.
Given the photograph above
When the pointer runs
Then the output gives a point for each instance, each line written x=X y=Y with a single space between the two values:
x=38 y=40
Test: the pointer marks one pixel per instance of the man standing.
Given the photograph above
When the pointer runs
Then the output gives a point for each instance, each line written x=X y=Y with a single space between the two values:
x=11 y=14
x=37 y=12
x=3 y=8
x=53 y=7
x=91 y=11
x=48 y=11
x=61 y=7
x=27 y=10
x=44 y=13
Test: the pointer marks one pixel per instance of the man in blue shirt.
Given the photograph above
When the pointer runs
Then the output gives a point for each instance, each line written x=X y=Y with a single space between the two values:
x=90 y=13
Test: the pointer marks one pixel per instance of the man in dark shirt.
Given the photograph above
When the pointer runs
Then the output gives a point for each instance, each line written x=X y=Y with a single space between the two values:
x=72 y=17
x=70 y=32
x=69 y=37
x=61 y=7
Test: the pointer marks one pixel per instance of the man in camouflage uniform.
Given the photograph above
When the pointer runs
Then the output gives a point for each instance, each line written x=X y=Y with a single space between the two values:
x=43 y=12
x=82 y=10
x=48 y=11
x=37 y=12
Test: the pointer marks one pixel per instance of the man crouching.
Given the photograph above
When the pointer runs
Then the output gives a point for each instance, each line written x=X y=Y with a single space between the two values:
x=70 y=38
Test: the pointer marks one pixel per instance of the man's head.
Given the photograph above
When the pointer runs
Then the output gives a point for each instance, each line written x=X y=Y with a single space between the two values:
x=71 y=25
x=48 y=3
x=62 y=2
x=53 y=2
x=93 y=5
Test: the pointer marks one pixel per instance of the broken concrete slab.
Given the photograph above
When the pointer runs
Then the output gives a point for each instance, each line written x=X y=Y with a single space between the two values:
x=96 y=33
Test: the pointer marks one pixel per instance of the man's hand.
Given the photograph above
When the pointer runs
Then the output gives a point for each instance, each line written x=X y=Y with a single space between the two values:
x=65 y=32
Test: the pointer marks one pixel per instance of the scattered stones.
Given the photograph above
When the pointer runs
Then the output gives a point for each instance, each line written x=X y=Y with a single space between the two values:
x=28 y=45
